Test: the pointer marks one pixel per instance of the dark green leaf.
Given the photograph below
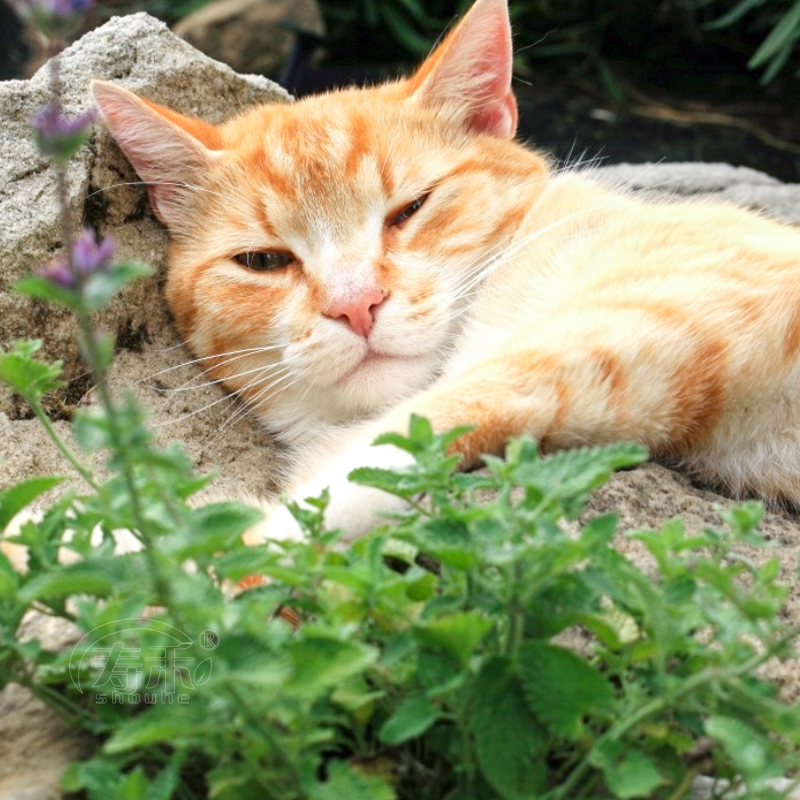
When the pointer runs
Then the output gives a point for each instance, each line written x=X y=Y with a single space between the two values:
x=412 y=718
x=345 y=783
x=456 y=634
x=83 y=578
x=16 y=497
x=628 y=772
x=27 y=375
x=561 y=688
x=509 y=742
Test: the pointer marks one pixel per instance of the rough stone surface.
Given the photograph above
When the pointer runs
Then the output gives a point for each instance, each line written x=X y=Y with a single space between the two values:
x=251 y=35
x=140 y=53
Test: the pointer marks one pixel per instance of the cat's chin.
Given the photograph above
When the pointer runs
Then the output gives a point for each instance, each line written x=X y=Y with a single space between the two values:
x=380 y=378
x=383 y=366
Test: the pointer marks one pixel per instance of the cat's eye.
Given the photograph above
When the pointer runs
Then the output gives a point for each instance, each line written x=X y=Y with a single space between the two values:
x=399 y=217
x=264 y=260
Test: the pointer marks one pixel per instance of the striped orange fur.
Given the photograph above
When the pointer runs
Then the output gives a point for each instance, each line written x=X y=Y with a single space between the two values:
x=350 y=258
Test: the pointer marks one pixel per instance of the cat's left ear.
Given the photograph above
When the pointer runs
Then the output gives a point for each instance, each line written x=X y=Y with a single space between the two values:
x=469 y=74
x=168 y=150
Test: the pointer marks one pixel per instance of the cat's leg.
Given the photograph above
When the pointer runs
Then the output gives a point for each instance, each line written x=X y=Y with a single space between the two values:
x=599 y=375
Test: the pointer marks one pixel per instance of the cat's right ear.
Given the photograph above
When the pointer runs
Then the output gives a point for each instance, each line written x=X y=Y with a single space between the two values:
x=468 y=76
x=168 y=150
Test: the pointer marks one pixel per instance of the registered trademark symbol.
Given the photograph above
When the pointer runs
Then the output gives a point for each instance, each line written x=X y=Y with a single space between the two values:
x=209 y=640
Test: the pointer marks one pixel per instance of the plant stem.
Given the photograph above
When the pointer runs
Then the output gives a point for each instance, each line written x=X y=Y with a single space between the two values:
x=62 y=446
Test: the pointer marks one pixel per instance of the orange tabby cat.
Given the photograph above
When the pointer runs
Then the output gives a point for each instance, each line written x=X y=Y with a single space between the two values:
x=348 y=259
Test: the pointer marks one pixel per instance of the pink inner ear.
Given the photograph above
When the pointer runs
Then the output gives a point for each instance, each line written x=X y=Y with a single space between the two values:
x=472 y=69
x=165 y=148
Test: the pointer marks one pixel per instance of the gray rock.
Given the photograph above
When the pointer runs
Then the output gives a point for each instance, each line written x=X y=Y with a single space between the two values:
x=250 y=35
x=740 y=185
x=140 y=53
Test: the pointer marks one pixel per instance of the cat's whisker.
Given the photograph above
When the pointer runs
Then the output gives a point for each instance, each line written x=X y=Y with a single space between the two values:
x=225 y=398
x=240 y=410
x=215 y=381
x=265 y=393
x=194 y=361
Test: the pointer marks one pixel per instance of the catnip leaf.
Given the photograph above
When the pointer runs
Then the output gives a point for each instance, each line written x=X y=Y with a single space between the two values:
x=568 y=476
x=166 y=782
x=412 y=718
x=321 y=662
x=456 y=634
x=158 y=724
x=561 y=688
x=43 y=288
x=212 y=528
x=16 y=497
x=628 y=772
x=29 y=376
x=344 y=781
x=509 y=742
x=745 y=746
x=448 y=541
x=84 y=578
x=133 y=785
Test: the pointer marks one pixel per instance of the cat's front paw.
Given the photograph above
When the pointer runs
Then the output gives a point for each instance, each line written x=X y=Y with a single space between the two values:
x=351 y=508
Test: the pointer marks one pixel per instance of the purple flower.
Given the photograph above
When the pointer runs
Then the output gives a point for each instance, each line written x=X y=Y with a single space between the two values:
x=51 y=8
x=89 y=255
x=60 y=137
x=55 y=20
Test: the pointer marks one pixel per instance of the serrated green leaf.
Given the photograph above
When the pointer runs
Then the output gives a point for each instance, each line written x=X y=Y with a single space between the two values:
x=456 y=634
x=133 y=785
x=163 y=786
x=561 y=688
x=158 y=724
x=321 y=662
x=345 y=782
x=448 y=541
x=745 y=746
x=568 y=476
x=91 y=430
x=29 y=376
x=213 y=528
x=98 y=776
x=16 y=497
x=509 y=742
x=411 y=719
x=628 y=772
x=83 y=578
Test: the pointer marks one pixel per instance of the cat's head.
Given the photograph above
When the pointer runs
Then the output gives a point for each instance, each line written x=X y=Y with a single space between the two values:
x=323 y=252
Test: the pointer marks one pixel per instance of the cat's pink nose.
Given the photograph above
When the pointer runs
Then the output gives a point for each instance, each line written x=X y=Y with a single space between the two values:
x=358 y=312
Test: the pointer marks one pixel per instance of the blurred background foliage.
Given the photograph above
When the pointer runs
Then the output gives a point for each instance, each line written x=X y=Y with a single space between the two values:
x=586 y=69
x=760 y=33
